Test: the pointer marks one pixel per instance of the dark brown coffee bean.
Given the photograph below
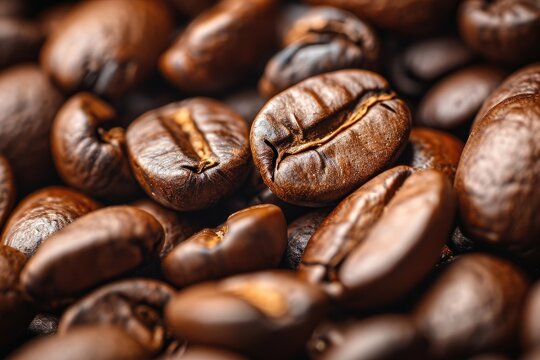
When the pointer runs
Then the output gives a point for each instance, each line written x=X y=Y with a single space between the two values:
x=473 y=307
x=250 y=314
x=456 y=99
x=379 y=338
x=222 y=46
x=42 y=325
x=250 y=240
x=324 y=39
x=316 y=142
x=530 y=331
x=95 y=248
x=28 y=104
x=191 y=154
x=134 y=305
x=206 y=353
x=298 y=234
x=432 y=149
x=247 y=103
x=383 y=239
x=42 y=214
x=7 y=190
x=85 y=343
x=410 y=17
x=15 y=311
x=502 y=30
x=498 y=176
x=107 y=46
x=89 y=154
x=20 y=41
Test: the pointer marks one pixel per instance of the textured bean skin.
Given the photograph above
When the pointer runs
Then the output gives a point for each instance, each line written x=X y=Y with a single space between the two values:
x=319 y=140
x=20 y=41
x=87 y=156
x=107 y=46
x=250 y=240
x=200 y=60
x=502 y=30
x=28 y=104
x=189 y=155
x=7 y=190
x=95 y=248
x=474 y=306
x=42 y=214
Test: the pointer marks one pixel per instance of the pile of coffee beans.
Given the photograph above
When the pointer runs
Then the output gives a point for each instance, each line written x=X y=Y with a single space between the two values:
x=270 y=179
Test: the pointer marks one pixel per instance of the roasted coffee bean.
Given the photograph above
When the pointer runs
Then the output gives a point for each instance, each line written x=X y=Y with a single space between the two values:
x=432 y=149
x=89 y=154
x=473 y=307
x=456 y=99
x=222 y=46
x=20 y=41
x=97 y=247
x=191 y=154
x=298 y=234
x=42 y=325
x=383 y=239
x=322 y=40
x=28 y=104
x=410 y=17
x=206 y=353
x=498 y=176
x=7 y=190
x=42 y=214
x=250 y=314
x=247 y=103
x=250 y=240
x=15 y=311
x=530 y=331
x=192 y=8
x=318 y=141
x=85 y=343
x=107 y=46
x=502 y=30
x=134 y=305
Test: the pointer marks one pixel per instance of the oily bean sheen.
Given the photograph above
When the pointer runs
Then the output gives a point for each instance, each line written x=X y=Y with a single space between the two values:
x=433 y=149
x=324 y=39
x=191 y=154
x=87 y=155
x=405 y=16
x=498 y=176
x=15 y=312
x=263 y=315
x=42 y=214
x=134 y=305
x=531 y=319
x=107 y=46
x=95 y=248
x=456 y=99
x=383 y=239
x=221 y=46
x=502 y=30
x=28 y=104
x=473 y=306
x=85 y=343
x=319 y=140
x=7 y=190
x=250 y=240
x=20 y=41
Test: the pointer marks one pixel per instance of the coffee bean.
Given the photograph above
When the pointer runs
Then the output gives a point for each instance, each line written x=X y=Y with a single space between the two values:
x=498 y=174
x=250 y=240
x=502 y=30
x=319 y=140
x=323 y=39
x=134 y=305
x=249 y=314
x=97 y=247
x=473 y=306
x=354 y=254
x=20 y=41
x=7 y=190
x=88 y=153
x=42 y=214
x=28 y=104
x=191 y=154
x=15 y=311
x=222 y=46
x=530 y=332
x=85 y=343
x=107 y=47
